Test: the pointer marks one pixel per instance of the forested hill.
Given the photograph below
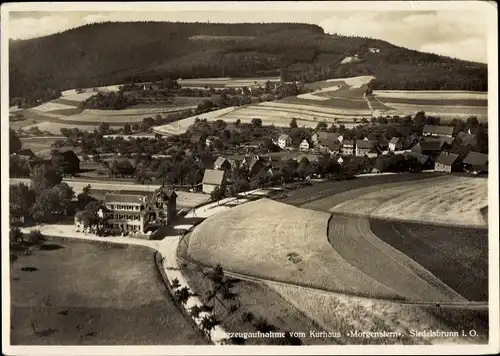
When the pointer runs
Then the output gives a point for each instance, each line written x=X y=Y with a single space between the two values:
x=112 y=53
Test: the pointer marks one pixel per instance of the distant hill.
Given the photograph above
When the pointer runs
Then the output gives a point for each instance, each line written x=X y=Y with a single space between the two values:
x=111 y=53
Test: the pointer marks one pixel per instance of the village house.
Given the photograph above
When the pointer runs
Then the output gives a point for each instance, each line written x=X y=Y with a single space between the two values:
x=395 y=144
x=212 y=179
x=323 y=137
x=254 y=165
x=430 y=146
x=305 y=145
x=197 y=140
x=135 y=213
x=68 y=160
x=447 y=162
x=363 y=147
x=383 y=143
x=466 y=139
x=222 y=163
x=25 y=154
x=425 y=161
x=476 y=163
x=284 y=141
x=373 y=153
x=348 y=147
x=437 y=131
x=340 y=160
x=331 y=148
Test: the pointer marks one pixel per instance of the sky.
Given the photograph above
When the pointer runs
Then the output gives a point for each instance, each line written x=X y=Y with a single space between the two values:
x=455 y=33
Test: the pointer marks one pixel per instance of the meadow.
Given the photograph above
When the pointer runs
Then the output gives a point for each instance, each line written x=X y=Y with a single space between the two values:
x=88 y=293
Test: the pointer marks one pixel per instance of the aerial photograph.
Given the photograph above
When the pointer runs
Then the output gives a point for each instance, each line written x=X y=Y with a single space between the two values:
x=261 y=177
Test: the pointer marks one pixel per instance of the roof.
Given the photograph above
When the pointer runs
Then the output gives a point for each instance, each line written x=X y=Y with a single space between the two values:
x=212 y=176
x=25 y=152
x=374 y=150
x=220 y=161
x=348 y=142
x=466 y=138
x=253 y=162
x=365 y=144
x=420 y=157
x=328 y=136
x=438 y=130
x=195 y=139
x=283 y=137
x=446 y=158
x=124 y=198
x=431 y=145
x=395 y=140
x=382 y=141
x=476 y=159
x=448 y=140
x=169 y=192
x=332 y=146
x=305 y=139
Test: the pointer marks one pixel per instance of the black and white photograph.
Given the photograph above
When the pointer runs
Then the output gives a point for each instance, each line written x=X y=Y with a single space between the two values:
x=250 y=178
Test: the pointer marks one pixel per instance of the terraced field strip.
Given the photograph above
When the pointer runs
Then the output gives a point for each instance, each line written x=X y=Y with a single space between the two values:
x=431 y=102
x=431 y=95
x=341 y=105
x=457 y=256
x=349 y=242
x=445 y=112
x=279 y=105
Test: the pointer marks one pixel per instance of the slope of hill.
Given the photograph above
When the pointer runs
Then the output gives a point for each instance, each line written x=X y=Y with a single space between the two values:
x=110 y=53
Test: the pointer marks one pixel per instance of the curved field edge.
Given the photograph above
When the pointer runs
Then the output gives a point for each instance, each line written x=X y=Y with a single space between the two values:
x=352 y=239
x=456 y=201
x=244 y=241
x=130 y=307
x=344 y=314
x=457 y=256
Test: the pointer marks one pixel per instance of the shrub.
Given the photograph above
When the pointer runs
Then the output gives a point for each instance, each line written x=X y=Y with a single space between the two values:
x=247 y=317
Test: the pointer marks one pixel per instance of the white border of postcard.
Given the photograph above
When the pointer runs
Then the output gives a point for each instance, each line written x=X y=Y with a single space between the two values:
x=490 y=15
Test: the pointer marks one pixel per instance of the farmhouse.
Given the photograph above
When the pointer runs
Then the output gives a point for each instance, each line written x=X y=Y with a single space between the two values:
x=437 y=131
x=284 y=141
x=213 y=179
x=331 y=148
x=305 y=145
x=364 y=146
x=447 y=162
x=373 y=153
x=395 y=144
x=222 y=163
x=383 y=143
x=254 y=164
x=476 y=162
x=348 y=147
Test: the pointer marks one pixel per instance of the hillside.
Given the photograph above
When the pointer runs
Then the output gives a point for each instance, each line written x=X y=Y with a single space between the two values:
x=110 y=53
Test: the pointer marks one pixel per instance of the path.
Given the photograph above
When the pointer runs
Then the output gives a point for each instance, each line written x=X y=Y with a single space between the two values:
x=166 y=247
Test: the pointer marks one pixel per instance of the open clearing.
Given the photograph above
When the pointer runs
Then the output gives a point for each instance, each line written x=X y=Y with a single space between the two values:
x=344 y=314
x=87 y=293
x=456 y=201
x=289 y=244
x=459 y=257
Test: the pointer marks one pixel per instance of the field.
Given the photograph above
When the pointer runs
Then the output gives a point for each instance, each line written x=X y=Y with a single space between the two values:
x=290 y=245
x=251 y=297
x=312 y=197
x=38 y=144
x=225 y=82
x=455 y=200
x=445 y=104
x=459 y=257
x=348 y=313
x=83 y=293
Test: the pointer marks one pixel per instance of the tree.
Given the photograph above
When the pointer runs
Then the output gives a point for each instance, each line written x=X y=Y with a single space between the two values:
x=217 y=194
x=175 y=283
x=195 y=311
x=321 y=126
x=15 y=236
x=183 y=295
x=256 y=122
x=52 y=202
x=147 y=122
x=18 y=167
x=127 y=129
x=293 y=124
x=21 y=199
x=44 y=177
x=208 y=323
x=15 y=143
x=104 y=128
x=472 y=122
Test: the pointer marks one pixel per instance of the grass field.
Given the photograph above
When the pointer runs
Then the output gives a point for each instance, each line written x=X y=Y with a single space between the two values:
x=456 y=200
x=38 y=144
x=84 y=293
x=310 y=197
x=288 y=244
x=348 y=313
x=251 y=297
x=459 y=257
